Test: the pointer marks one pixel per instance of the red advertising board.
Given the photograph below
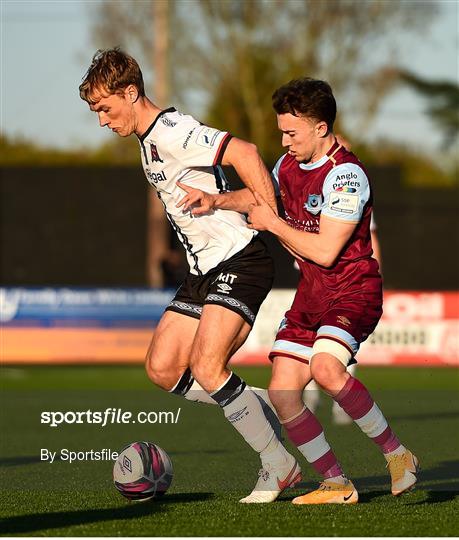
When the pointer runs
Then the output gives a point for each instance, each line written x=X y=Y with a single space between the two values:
x=417 y=328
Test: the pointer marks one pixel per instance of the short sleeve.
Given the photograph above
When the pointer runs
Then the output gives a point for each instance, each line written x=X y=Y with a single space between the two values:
x=275 y=175
x=346 y=190
x=373 y=225
x=196 y=145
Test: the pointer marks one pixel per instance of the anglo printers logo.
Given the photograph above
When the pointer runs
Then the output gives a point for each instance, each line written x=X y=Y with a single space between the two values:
x=346 y=189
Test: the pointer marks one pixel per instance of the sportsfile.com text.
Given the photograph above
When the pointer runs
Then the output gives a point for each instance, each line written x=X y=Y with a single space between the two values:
x=111 y=415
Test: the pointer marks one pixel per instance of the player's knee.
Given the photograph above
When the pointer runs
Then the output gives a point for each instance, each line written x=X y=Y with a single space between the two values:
x=160 y=372
x=320 y=371
x=278 y=399
x=286 y=402
x=327 y=371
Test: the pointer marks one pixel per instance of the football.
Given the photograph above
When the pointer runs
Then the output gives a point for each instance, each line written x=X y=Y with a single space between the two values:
x=142 y=470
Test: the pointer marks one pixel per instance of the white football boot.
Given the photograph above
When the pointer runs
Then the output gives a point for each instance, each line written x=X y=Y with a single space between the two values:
x=273 y=479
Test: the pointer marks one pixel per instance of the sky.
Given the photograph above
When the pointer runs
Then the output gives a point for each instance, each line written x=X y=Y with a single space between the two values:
x=46 y=49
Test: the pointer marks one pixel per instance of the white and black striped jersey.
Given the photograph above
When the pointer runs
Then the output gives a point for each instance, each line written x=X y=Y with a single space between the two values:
x=176 y=147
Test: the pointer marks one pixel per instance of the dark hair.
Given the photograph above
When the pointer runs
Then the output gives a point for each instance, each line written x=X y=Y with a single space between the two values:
x=111 y=71
x=306 y=97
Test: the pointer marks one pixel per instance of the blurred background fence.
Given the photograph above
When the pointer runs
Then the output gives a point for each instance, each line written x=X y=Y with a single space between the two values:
x=86 y=226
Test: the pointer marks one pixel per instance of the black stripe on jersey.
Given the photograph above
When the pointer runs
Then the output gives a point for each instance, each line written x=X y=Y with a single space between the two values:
x=143 y=137
x=221 y=150
x=220 y=179
x=182 y=237
x=144 y=150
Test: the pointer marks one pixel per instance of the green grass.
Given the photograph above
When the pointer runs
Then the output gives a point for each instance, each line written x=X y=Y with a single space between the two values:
x=213 y=467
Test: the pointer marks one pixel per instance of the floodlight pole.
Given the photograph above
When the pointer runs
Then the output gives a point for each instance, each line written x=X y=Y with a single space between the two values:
x=158 y=232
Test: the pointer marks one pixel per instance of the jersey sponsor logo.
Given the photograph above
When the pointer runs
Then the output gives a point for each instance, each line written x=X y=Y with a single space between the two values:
x=346 y=180
x=155 y=178
x=154 y=153
x=313 y=204
x=346 y=189
x=167 y=122
x=187 y=140
x=345 y=203
x=347 y=176
x=309 y=225
x=207 y=136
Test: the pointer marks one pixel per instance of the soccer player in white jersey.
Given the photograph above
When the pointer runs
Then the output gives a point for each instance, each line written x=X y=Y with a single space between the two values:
x=231 y=271
x=327 y=200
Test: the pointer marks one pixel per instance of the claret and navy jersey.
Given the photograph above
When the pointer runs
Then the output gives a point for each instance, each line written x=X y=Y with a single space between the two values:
x=342 y=302
x=176 y=147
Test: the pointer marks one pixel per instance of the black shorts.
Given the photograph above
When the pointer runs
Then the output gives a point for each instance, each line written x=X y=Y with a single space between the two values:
x=239 y=284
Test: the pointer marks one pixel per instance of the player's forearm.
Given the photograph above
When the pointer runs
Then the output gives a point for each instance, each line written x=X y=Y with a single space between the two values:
x=244 y=157
x=304 y=244
x=257 y=178
x=234 y=200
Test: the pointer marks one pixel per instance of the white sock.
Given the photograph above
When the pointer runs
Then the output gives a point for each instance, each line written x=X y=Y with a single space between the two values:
x=196 y=392
x=397 y=452
x=341 y=479
x=275 y=453
x=242 y=408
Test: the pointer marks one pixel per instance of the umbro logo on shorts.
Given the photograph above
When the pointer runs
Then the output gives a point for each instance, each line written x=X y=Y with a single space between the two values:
x=224 y=288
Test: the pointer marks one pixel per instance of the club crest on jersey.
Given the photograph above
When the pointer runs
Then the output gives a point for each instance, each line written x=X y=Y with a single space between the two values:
x=313 y=204
x=154 y=153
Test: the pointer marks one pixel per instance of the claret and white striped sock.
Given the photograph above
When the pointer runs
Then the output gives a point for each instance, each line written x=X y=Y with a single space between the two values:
x=306 y=433
x=355 y=399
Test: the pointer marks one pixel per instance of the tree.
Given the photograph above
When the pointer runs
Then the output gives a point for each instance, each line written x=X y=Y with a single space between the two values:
x=227 y=57
x=443 y=102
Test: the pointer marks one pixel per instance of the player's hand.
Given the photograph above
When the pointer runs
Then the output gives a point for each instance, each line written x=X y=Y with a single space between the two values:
x=261 y=215
x=198 y=202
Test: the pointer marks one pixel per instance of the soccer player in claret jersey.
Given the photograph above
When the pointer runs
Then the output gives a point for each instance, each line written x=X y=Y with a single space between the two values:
x=231 y=271
x=327 y=199
x=328 y=203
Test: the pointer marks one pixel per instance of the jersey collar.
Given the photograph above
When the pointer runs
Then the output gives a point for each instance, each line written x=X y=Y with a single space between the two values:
x=145 y=135
x=329 y=155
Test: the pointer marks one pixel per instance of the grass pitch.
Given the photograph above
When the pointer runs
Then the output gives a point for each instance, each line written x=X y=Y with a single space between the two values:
x=213 y=467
